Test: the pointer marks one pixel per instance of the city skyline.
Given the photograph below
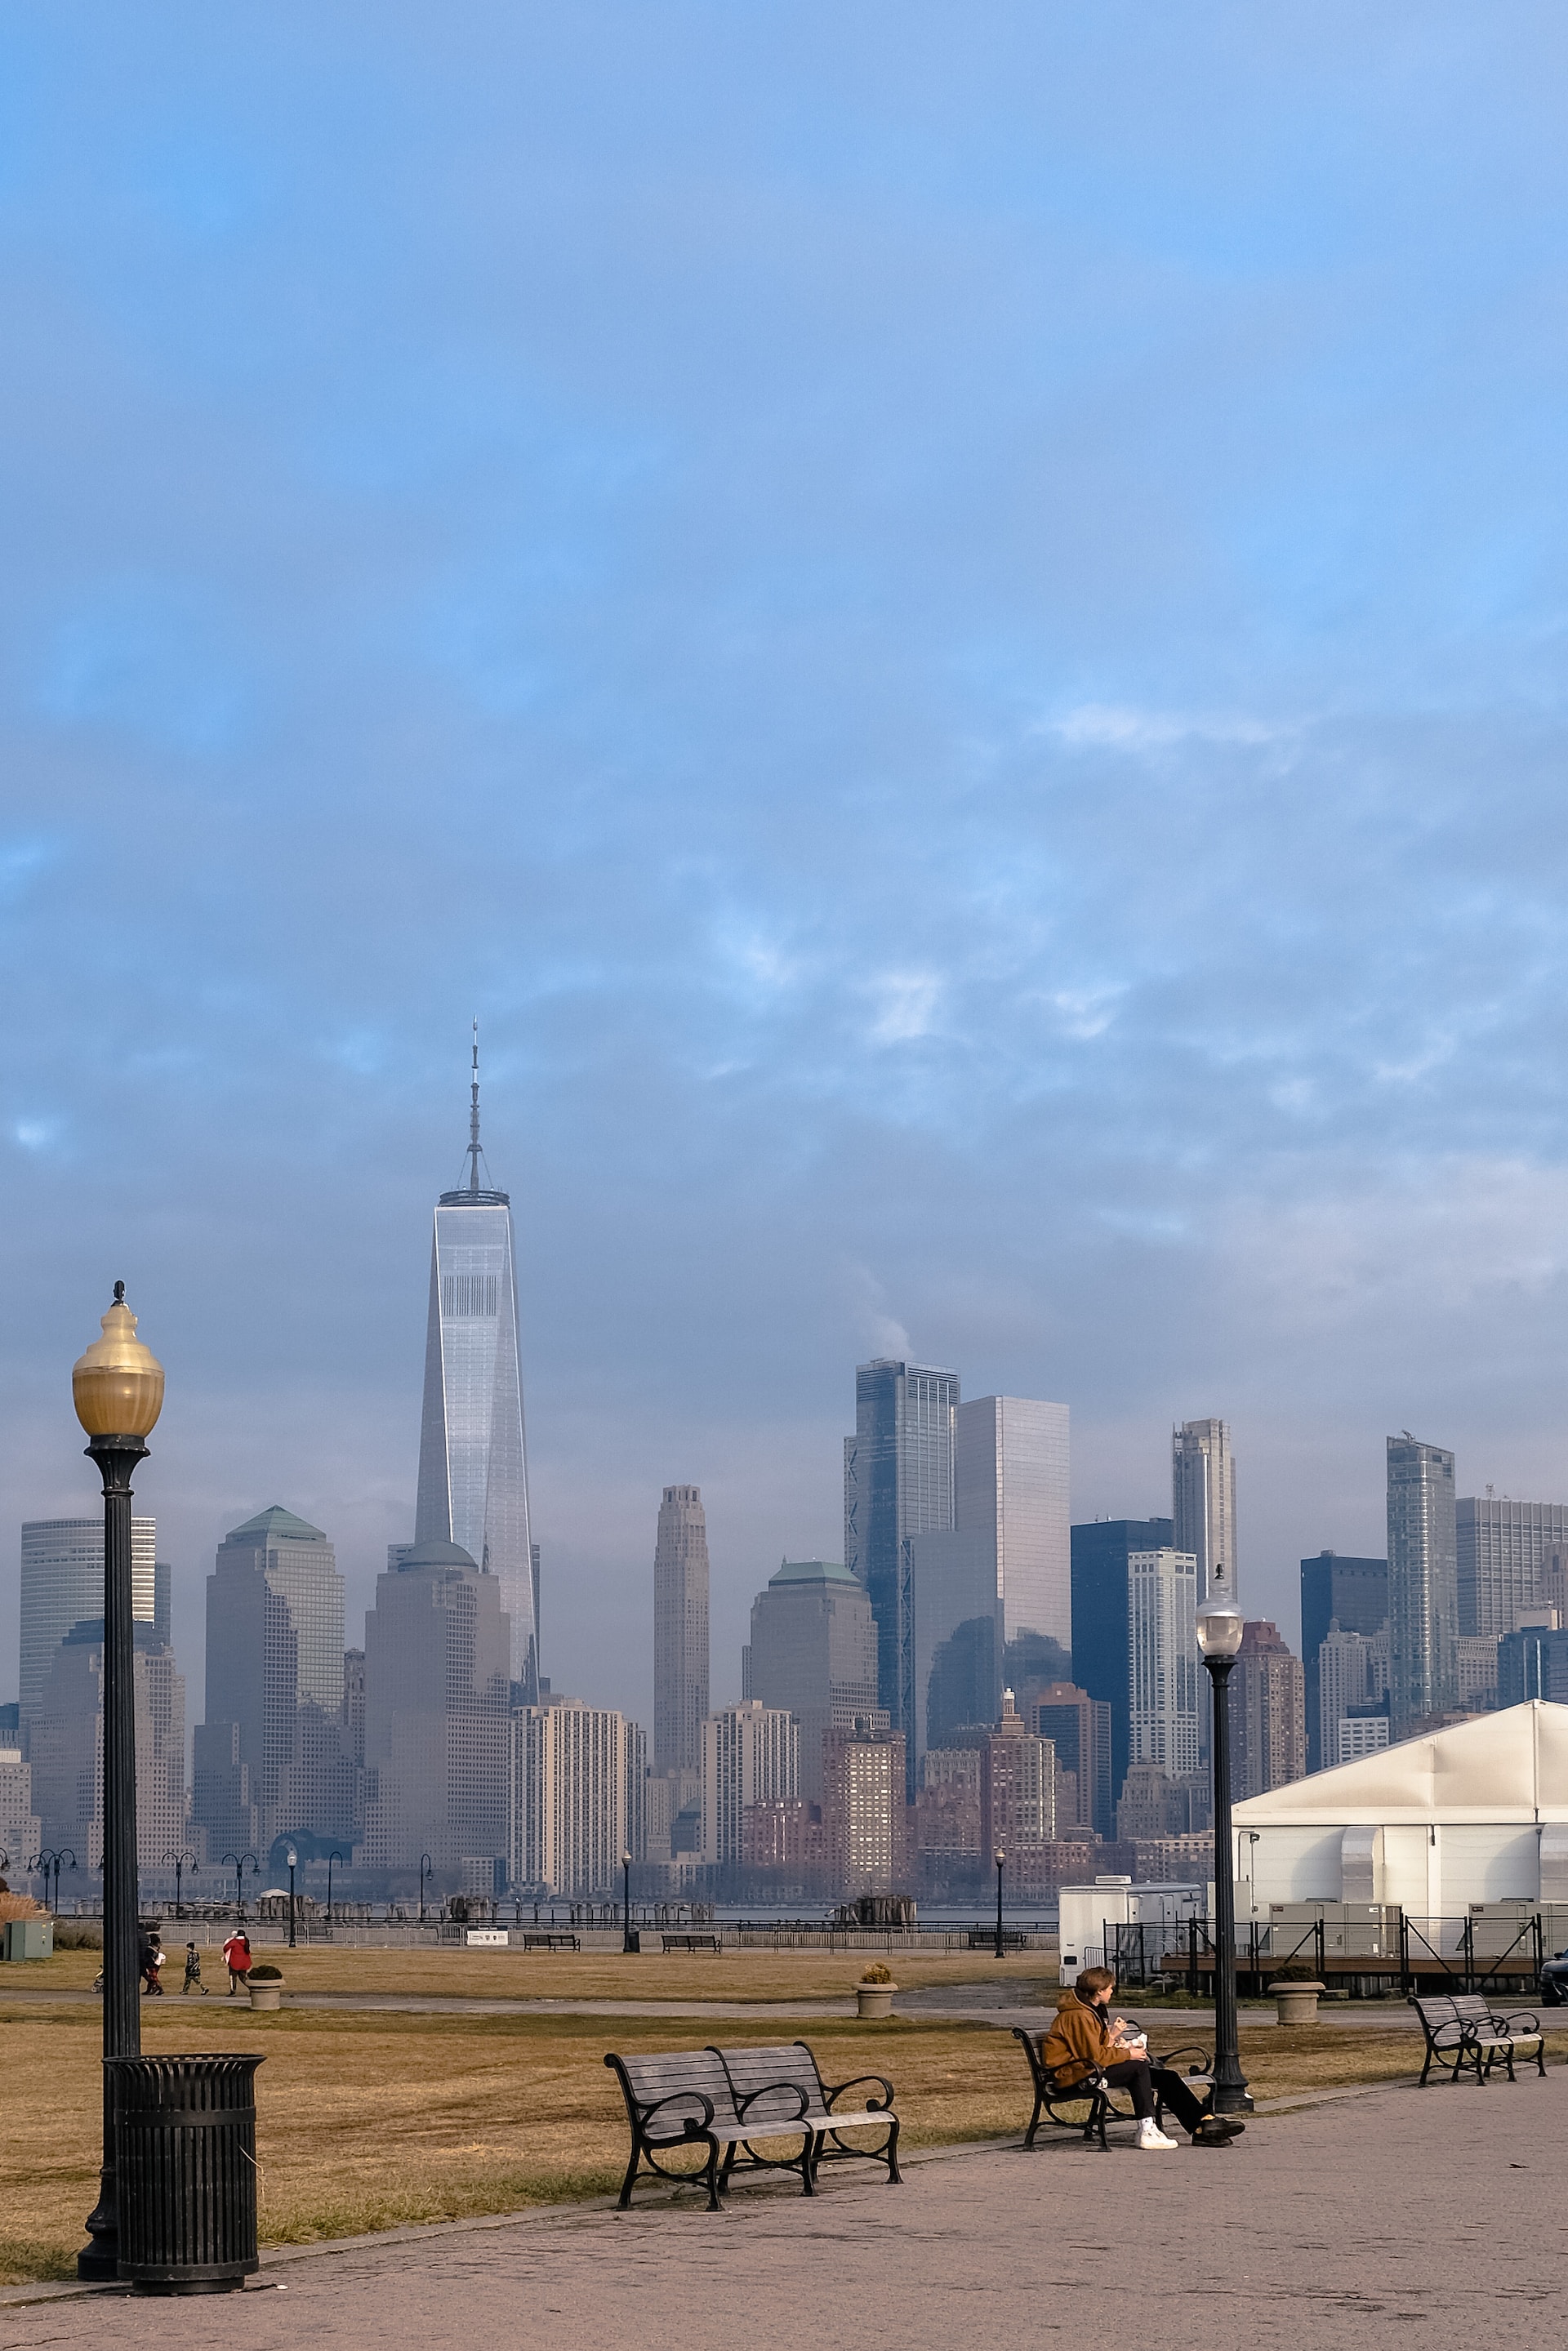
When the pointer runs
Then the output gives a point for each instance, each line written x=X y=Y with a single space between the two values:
x=1115 y=469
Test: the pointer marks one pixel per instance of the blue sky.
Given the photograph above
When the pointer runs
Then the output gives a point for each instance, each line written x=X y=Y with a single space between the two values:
x=949 y=622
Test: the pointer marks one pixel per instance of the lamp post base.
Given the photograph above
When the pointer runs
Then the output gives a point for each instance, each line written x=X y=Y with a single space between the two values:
x=98 y=2263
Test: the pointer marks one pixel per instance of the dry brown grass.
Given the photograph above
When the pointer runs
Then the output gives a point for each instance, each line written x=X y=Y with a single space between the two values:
x=450 y=1972
x=371 y=2120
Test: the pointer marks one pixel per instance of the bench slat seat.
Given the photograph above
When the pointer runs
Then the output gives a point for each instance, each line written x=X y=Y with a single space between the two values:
x=1466 y=2035
x=793 y=2067
x=685 y=2098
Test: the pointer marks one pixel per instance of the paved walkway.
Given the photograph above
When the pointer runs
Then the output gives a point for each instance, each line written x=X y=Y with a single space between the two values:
x=1440 y=2209
x=981 y=2003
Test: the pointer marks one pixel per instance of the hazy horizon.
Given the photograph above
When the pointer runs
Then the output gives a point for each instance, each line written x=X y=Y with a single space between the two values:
x=949 y=625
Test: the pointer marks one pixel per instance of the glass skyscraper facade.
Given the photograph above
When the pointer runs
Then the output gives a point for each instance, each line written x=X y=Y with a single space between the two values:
x=1203 y=1496
x=473 y=1460
x=62 y=1585
x=275 y=1685
x=1505 y=1549
x=680 y=1634
x=898 y=1483
x=1103 y=1551
x=1423 y=1584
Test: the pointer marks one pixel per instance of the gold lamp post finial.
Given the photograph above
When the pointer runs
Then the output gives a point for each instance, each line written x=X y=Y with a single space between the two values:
x=118 y=1385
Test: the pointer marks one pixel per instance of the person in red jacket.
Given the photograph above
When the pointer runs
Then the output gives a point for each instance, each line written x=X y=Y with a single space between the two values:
x=236 y=1958
x=1085 y=2039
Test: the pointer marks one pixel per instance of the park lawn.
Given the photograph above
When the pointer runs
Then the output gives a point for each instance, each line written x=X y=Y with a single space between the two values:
x=449 y=1972
x=370 y=2121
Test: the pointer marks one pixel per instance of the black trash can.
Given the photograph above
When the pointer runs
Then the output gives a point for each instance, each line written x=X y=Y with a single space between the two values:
x=184 y=2154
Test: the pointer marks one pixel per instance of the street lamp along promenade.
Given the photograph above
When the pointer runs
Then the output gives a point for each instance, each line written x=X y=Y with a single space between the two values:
x=117 y=1389
x=999 y=1858
x=625 y=1901
x=179 y=1863
x=1219 y=1638
x=239 y=1862
x=292 y=1857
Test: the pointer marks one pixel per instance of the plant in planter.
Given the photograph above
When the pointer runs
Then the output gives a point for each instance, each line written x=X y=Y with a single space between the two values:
x=1296 y=1994
x=265 y=1986
x=873 y=1993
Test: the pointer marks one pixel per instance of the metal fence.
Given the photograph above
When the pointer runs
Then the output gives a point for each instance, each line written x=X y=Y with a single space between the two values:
x=1488 y=1947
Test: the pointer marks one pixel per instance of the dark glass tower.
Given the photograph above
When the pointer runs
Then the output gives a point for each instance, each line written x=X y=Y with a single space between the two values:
x=1352 y=1594
x=898 y=1483
x=1102 y=1620
x=473 y=1460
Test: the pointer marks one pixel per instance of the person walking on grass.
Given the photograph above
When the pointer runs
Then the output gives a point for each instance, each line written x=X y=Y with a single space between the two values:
x=236 y=1958
x=192 y=1973
x=1085 y=2039
x=152 y=1958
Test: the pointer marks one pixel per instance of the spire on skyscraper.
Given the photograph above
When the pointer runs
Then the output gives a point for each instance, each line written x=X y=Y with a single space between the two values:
x=473 y=1191
x=473 y=1458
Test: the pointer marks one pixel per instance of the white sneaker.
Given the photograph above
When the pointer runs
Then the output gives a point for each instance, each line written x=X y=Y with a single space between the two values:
x=1151 y=2135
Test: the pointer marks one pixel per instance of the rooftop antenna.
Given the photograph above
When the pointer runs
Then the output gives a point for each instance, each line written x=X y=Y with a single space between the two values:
x=474 y=1119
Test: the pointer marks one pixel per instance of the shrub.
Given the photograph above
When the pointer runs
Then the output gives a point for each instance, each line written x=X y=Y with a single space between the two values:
x=77 y=1935
x=876 y=1974
x=264 y=1974
x=1296 y=1973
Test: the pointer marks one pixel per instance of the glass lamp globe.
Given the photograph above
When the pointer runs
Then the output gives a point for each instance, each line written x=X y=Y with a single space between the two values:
x=118 y=1385
x=1219 y=1618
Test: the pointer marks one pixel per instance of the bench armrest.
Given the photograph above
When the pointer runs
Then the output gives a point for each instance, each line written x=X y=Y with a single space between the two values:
x=1519 y=2019
x=1188 y=2049
x=693 y=2127
x=769 y=2090
x=836 y=2090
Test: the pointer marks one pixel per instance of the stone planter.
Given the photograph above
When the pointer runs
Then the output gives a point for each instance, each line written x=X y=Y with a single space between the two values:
x=1297 y=2003
x=268 y=1995
x=874 y=2000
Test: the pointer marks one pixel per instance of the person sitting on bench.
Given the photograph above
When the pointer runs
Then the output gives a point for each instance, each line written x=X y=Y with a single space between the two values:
x=1085 y=2039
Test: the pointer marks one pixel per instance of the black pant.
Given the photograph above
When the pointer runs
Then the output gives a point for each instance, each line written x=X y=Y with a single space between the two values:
x=1143 y=2079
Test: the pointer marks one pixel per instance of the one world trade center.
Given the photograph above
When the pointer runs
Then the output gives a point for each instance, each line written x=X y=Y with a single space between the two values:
x=473 y=1463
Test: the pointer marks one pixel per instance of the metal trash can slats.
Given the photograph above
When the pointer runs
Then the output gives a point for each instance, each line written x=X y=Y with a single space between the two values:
x=184 y=2138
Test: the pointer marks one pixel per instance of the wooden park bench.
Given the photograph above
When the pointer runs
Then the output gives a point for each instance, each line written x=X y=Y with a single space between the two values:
x=728 y=2100
x=1090 y=2103
x=794 y=2066
x=540 y=1940
x=1464 y=2031
x=694 y=1943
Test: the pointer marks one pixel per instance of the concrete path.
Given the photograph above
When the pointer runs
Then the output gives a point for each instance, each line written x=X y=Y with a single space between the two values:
x=1437 y=2209
x=977 y=2004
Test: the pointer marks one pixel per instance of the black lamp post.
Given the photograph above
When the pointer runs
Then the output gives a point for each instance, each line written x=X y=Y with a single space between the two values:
x=51 y=1864
x=332 y=1857
x=625 y=1901
x=425 y=1866
x=292 y=1857
x=179 y=1863
x=1219 y=1638
x=117 y=1389
x=999 y=1858
x=241 y=1862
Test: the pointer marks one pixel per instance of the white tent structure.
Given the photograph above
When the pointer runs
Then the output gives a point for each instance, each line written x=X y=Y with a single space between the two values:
x=1440 y=1825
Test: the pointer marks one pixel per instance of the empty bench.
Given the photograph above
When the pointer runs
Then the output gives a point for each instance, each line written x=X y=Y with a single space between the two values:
x=1465 y=2034
x=694 y=1943
x=724 y=2101
x=1089 y=2104
x=540 y=1941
